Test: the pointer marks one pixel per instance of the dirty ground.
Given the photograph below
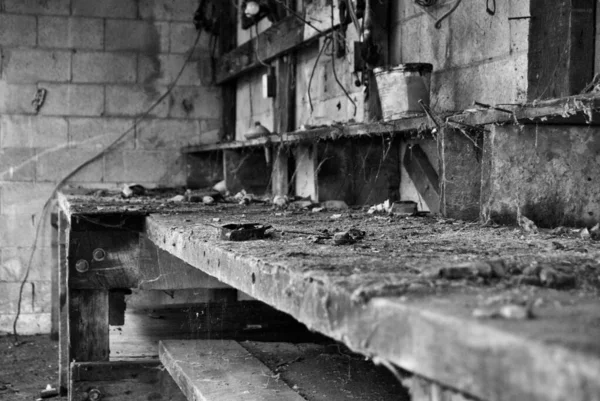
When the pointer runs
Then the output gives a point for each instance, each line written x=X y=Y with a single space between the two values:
x=27 y=369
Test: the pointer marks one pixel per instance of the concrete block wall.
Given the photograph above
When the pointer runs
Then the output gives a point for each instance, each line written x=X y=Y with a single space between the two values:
x=475 y=56
x=102 y=64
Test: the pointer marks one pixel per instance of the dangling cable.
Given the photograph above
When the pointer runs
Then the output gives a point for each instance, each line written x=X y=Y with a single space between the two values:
x=438 y=23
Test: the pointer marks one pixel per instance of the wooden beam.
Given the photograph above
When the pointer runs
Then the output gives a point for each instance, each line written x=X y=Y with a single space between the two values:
x=284 y=107
x=423 y=175
x=280 y=38
x=88 y=325
x=306 y=174
x=227 y=42
x=63 y=303
x=130 y=261
x=221 y=370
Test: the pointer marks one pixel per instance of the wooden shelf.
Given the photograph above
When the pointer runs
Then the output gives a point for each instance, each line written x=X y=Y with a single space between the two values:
x=576 y=110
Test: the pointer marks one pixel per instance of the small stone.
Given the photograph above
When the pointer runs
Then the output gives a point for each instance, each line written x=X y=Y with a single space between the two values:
x=527 y=225
x=585 y=234
x=595 y=232
x=208 y=200
x=280 y=201
x=515 y=312
x=334 y=205
x=335 y=216
x=176 y=198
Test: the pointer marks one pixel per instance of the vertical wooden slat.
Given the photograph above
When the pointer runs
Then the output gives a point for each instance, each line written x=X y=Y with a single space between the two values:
x=63 y=327
x=284 y=115
x=227 y=42
x=306 y=175
x=88 y=325
x=54 y=295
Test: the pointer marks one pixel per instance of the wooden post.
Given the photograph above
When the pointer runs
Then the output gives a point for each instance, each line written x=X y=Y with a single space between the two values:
x=63 y=326
x=284 y=107
x=306 y=175
x=227 y=42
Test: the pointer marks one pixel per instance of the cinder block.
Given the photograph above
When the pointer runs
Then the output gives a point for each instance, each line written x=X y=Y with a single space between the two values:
x=166 y=168
x=72 y=33
x=104 y=67
x=37 y=7
x=168 y=10
x=10 y=298
x=105 y=8
x=42 y=295
x=14 y=264
x=195 y=102
x=55 y=166
x=97 y=133
x=17 y=230
x=133 y=100
x=182 y=38
x=17 y=30
x=73 y=100
x=16 y=98
x=17 y=164
x=32 y=131
x=163 y=69
x=28 y=324
x=29 y=65
x=26 y=198
x=501 y=80
x=139 y=36
x=167 y=134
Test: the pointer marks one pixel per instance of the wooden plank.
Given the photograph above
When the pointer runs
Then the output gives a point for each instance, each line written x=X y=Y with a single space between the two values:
x=88 y=325
x=306 y=173
x=378 y=304
x=278 y=39
x=55 y=295
x=124 y=381
x=221 y=370
x=63 y=302
x=423 y=175
x=574 y=110
x=325 y=372
x=131 y=261
x=227 y=42
x=284 y=111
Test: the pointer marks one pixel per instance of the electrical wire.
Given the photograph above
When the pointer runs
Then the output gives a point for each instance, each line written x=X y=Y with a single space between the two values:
x=77 y=169
x=337 y=79
x=438 y=23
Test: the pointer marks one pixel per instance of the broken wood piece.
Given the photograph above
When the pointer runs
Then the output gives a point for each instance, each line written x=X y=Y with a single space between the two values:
x=221 y=370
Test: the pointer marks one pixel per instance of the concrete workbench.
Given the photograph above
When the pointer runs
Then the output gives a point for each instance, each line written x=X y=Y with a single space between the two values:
x=426 y=294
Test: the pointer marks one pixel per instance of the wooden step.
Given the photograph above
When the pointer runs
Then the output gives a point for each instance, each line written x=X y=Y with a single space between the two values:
x=221 y=370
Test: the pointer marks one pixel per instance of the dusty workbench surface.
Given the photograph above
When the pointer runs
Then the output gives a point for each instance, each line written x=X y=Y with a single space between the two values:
x=501 y=313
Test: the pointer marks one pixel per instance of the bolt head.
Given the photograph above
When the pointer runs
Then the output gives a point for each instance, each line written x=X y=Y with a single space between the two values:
x=94 y=395
x=99 y=254
x=82 y=266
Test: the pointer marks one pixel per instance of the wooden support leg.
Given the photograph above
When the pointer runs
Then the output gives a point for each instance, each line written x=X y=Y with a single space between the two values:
x=63 y=326
x=88 y=325
x=306 y=178
x=280 y=172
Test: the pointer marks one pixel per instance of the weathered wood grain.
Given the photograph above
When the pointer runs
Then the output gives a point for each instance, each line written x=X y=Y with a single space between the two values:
x=131 y=262
x=63 y=303
x=221 y=370
x=429 y=332
x=88 y=325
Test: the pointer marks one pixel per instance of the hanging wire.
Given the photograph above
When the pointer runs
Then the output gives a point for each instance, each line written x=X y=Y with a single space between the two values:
x=337 y=79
